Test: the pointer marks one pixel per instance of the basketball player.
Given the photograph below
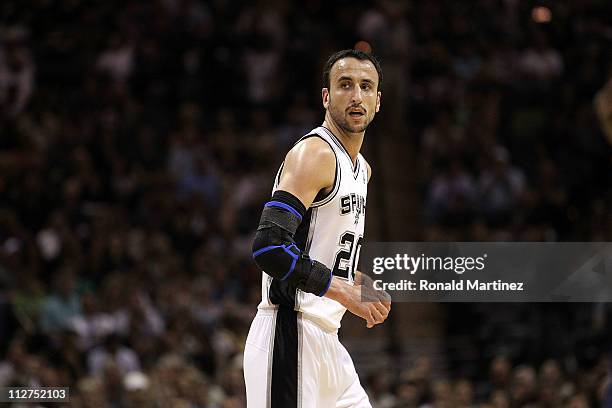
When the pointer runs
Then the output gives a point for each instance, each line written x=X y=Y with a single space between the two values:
x=308 y=243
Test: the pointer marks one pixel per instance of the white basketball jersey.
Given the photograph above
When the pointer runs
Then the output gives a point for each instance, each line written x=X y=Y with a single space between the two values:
x=331 y=232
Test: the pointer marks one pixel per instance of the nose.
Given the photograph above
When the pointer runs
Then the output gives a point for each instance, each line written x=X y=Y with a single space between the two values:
x=356 y=95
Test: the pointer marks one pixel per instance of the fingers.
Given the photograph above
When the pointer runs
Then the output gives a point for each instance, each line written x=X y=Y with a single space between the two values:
x=379 y=305
x=369 y=320
x=371 y=305
x=385 y=299
x=376 y=314
x=369 y=294
x=382 y=309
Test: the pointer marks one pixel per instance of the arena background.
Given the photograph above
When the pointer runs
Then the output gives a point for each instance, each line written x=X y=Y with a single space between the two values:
x=138 y=143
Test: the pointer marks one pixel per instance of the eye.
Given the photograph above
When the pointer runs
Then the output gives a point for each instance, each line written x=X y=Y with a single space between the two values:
x=345 y=85
x=366 y=86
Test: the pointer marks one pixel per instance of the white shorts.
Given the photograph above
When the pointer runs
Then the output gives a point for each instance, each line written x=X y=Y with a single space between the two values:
x=290 y=361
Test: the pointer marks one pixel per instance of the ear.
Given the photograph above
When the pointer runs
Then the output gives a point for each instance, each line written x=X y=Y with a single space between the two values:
x=378 y=95
x=325 y=97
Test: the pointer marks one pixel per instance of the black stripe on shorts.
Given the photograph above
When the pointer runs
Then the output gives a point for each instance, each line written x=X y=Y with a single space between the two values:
x=284 y=390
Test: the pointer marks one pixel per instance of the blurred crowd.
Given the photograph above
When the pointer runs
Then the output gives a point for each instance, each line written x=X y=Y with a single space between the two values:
x=546 y=385
x=510 y=146
x=139 y=140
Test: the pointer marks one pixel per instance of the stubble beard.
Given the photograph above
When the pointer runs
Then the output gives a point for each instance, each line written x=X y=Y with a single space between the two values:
x=339 y=117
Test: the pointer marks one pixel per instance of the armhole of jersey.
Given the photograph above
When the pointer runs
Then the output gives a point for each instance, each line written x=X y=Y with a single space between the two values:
x=279 y=173
x=278 y=176
x=337 y=175
x=332 y=193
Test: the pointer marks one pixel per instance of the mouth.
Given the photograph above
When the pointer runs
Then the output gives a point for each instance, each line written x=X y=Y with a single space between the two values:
x=356 y=113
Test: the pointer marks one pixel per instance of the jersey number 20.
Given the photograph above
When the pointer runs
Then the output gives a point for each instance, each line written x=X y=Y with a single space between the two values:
x=347 y=257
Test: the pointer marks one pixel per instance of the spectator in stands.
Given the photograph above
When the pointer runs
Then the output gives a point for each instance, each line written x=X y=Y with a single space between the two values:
x=63 y=305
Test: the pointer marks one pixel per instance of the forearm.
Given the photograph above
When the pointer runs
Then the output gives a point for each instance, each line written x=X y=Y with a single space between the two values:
x=344 y=292
x=337 y=290
x=360 y=278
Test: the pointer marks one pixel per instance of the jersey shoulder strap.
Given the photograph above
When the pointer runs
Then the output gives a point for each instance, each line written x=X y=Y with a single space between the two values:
x=321 y=198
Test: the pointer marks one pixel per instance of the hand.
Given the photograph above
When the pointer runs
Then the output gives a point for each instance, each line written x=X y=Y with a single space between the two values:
x=362 y=279
x=370 y=304
x=369 y=294
x=362 y=300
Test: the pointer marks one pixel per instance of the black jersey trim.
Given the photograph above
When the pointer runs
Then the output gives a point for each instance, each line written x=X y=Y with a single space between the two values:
x=301 y=234
x=312 y=217
x=278 y=174
x=337 y=141
x=357 y=169
x=330 y=196
x=311 y=229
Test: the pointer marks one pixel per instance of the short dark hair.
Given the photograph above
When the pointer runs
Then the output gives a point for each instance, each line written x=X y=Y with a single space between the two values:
x=360 y=55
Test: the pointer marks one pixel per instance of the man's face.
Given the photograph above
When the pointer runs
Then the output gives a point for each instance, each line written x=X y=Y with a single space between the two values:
x=352 y=98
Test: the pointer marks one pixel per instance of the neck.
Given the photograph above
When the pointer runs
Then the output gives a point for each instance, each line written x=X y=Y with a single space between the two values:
x=351 y=141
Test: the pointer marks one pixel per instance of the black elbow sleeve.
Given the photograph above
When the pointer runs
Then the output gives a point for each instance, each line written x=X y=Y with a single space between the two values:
x=275 y=251
x=273 y=254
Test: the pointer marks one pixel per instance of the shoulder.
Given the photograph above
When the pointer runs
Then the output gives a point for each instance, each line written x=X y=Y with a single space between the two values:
x=310 y=163
x=313 y=153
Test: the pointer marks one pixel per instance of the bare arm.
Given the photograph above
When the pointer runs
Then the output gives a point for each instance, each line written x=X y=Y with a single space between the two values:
x=309 y=168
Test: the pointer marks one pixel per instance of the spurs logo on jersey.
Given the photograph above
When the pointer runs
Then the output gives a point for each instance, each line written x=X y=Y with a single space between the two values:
x=331 y=232
x=353 y=204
